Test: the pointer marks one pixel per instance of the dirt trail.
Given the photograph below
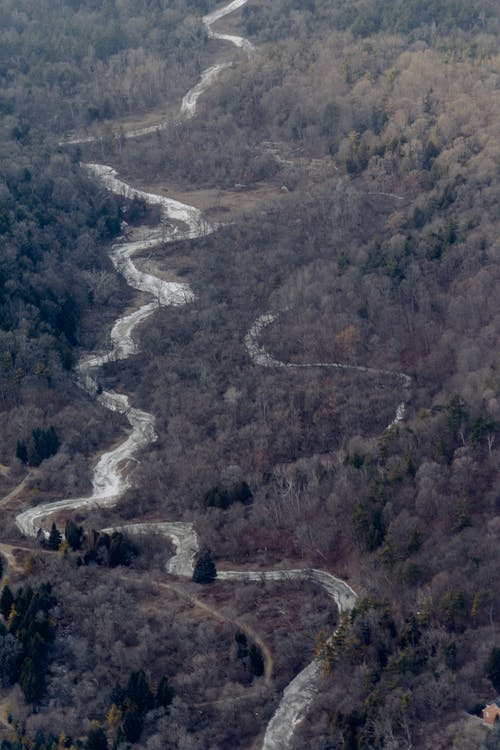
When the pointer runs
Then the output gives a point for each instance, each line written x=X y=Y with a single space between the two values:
x=8 y=551
x=212 y=611
x=16 y=491
x=247 y=629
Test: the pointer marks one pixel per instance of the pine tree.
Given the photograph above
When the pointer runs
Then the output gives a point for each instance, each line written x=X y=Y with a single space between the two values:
x=164 y=694
x=132 y=726
x=74 y=534
x=31 y=681
x=139 y=693
x=204 y=569
x=11 y=653
x=6 y=601
x=256 y=661
x=96 y=738
x=493 y=667
x=118 y=695
x=52 y=442
x=55 y=538
x=241 y=645
x=241 y=493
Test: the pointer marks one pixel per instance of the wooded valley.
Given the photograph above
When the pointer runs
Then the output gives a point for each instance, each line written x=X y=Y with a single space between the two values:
x=328 y=399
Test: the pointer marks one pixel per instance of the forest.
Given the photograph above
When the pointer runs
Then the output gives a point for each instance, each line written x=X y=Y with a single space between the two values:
x=329 y=399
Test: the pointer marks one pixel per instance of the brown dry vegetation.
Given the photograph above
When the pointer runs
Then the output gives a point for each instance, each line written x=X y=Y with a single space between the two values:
x=382 y=252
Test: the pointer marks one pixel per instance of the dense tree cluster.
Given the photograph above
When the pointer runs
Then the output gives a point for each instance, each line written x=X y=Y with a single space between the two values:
x=26 y=638
x=222 y=497
x=53 y=225
x=109 y=549
x=130 y=704
x=42 y=444
x=364 y=18
x=204 y=568
x=149 y=648
x=86 y=61
x=250 y=655
x=97 y=547
x=18 y=739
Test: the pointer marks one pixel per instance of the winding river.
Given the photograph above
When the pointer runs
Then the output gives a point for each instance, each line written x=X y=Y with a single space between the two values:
x=109 y=475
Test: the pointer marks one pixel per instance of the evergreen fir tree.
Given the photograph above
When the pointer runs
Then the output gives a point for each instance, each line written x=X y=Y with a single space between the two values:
x=31 y=681
x=256 y=661
x=139 y=693
x=6 y=601
x=241 y=645
x=96 y=738
x=132 y=725
x=204 y=569
x=493 y=667
x=55 y=537
x=73 y=534
x=164 y=694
